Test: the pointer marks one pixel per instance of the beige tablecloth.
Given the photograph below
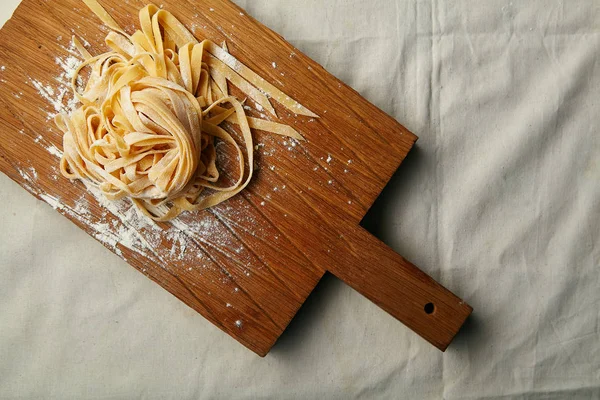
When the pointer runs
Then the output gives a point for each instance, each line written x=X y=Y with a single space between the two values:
x=500 y=202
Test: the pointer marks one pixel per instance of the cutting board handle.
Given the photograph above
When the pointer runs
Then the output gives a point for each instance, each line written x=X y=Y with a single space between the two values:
x=398 y=287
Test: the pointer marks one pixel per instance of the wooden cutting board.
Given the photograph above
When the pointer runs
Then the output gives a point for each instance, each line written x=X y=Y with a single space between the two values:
x=249 y=264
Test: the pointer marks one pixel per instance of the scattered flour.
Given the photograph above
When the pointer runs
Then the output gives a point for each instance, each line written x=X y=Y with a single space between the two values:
x=52 y=201
x=26 y=175
x=58 y=93
x=33 y=173
x=55 y=151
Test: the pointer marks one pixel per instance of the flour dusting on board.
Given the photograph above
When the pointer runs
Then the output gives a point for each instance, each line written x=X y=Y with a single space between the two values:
x=55 y=151
x=58 y=93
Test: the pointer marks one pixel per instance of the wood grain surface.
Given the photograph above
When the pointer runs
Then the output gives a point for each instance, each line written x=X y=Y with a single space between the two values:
x=249 y=264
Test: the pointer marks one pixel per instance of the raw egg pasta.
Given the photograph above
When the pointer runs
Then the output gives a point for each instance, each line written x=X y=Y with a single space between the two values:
x=151 y=109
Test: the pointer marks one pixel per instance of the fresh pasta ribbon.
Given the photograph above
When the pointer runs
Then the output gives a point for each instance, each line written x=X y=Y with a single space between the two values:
x=150 y=112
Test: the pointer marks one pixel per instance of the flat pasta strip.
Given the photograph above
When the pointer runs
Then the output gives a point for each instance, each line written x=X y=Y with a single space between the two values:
x=270 y=126
x=220 y=70
x=259 y=82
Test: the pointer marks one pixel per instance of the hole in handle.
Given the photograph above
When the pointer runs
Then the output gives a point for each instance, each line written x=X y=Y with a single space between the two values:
x=429 y=308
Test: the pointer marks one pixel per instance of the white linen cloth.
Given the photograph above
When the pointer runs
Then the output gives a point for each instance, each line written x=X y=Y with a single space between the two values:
x=500 y=202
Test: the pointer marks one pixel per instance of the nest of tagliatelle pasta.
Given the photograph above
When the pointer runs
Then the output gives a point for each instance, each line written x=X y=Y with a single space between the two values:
x=151 y=109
